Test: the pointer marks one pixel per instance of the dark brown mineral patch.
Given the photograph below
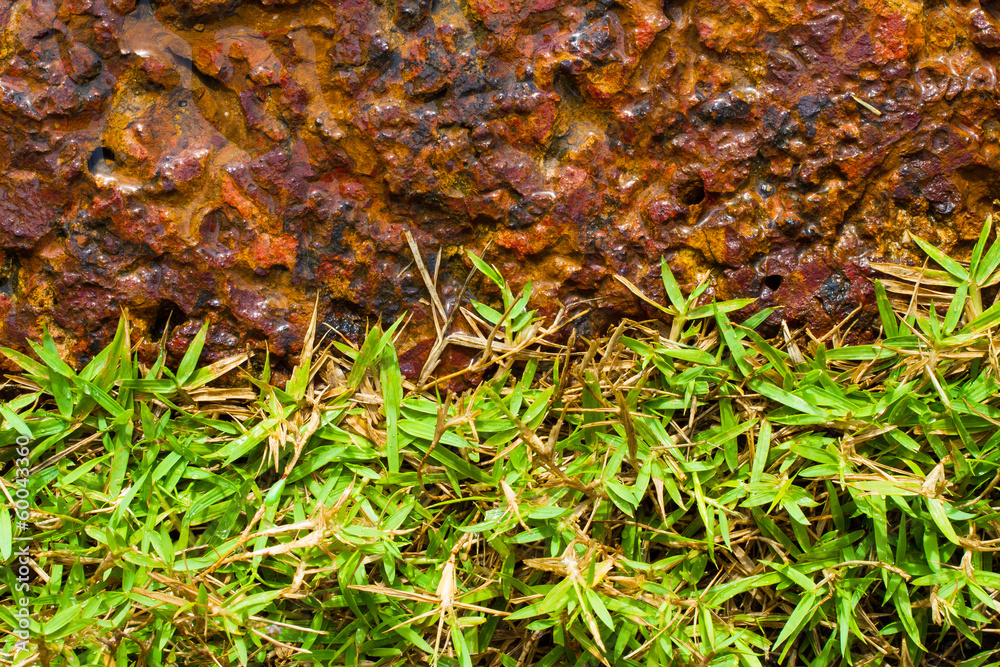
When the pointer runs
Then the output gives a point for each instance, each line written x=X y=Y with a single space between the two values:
x=236 y=159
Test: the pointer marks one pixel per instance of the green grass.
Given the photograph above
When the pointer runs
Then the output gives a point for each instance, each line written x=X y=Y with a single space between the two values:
x=688 y=495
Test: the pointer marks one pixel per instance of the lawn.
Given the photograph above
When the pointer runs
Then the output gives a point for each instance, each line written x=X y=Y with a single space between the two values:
x=687 y=494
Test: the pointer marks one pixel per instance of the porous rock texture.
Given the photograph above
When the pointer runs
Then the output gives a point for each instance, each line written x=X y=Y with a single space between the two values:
x=240 y=160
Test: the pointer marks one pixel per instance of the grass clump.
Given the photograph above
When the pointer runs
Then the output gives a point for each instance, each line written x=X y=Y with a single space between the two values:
x=691 y=496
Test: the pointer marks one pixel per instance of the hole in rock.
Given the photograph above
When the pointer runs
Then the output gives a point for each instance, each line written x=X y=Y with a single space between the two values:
x=691 y=192
x=9 y=268
x=565 y=85
x=101 y=161
x=433 y=97
x=992 y=7
x=773 y=282
x=673 y=9
x=168 y=314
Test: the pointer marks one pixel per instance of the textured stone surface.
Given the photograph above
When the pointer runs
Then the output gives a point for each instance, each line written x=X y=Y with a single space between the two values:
x=234 y=159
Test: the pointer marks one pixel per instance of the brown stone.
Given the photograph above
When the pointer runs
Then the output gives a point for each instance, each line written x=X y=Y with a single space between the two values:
x=235 y=159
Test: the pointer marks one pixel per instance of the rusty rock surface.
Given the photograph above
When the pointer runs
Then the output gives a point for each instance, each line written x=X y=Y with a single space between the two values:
x=238 y=159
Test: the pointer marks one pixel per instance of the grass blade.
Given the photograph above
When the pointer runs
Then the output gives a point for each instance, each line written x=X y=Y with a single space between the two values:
x=947 y=263
x=191 y=356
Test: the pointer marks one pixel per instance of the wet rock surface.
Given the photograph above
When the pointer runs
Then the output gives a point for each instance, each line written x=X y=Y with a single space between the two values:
x=236 y=160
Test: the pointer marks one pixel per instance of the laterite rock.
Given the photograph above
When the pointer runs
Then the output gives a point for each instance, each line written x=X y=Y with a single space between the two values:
x=235 y=160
